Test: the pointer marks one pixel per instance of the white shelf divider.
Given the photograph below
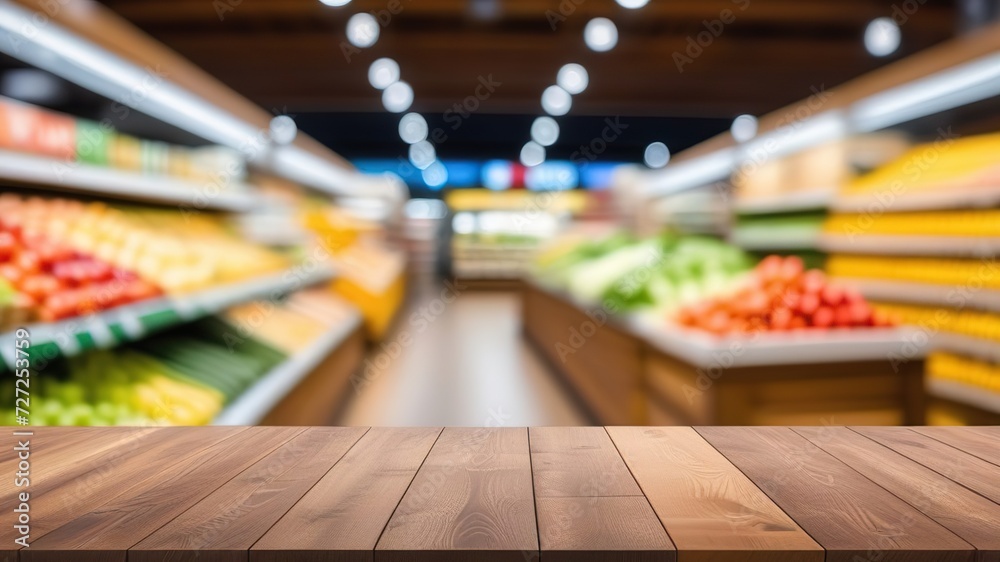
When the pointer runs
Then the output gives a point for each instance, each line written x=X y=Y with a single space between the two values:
x=930 y=246
x=981 y=398
x=949 y=296
x=98 y=330
x=67 y=176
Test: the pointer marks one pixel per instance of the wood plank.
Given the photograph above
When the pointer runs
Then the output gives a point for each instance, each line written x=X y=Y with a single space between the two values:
x=471 y=500
x=345 y=512
x=710 y=509
x=967 y=514
x=605 y=529
x=969 y=471
x=847 y=514
x=68 y=486
x=578 y=462
x=223 y=526
x=104 y=533
x=587 y=503
x=977 y=444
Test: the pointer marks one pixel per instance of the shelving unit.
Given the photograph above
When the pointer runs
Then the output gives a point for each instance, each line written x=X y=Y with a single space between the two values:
x=75 y=177
x=93 y=48
x=132 y=322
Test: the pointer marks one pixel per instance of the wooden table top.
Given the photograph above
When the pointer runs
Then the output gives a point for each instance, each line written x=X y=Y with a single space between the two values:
x=634 y=494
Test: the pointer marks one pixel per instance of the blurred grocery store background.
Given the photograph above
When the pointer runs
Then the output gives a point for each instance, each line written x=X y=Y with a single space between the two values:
x=500 y=212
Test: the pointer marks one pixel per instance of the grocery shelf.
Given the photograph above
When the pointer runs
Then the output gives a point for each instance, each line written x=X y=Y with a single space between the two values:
x=795 y=202
x=776 y=239
x=132 y=322
x=252 y=406
x=951 y=296
x=986 y=350
x=782 y=348
x=965 y=394
x=50 y=173
x=944 y=246
x=938 y=200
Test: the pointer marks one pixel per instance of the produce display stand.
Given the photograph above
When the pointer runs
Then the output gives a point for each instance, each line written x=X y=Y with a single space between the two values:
x=631 y=371
x=603 y=363
x=509 y=494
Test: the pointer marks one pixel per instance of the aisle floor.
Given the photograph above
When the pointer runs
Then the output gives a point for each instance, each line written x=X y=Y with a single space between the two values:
x=462 y=363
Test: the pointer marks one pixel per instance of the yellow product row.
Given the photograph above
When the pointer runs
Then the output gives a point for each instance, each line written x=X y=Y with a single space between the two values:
x=947 y=366
x=178 y=251
x=972 y=323
x=979 y=222
x=946 y=163
x=975 y=274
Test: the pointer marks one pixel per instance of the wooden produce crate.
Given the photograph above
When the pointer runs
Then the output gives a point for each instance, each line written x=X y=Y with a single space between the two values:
x=601 y=362
x=852 y=377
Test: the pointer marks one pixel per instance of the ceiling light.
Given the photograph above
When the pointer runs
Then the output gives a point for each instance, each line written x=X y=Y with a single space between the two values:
x=383 y=73
x=657 y=155
x=436 y=175
x=556 y=101
x=632 y=4
x=398 y=97
x=412 y=128
x=532 y=154
x=336 y=3
x=600 y=34
x=362 y=30
x=283 y=129
x=744 y=128
x=573 y=78
x=422 y=154
x=882 y=37
x=545 y=131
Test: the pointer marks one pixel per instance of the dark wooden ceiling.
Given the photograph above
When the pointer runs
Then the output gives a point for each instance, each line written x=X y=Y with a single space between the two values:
x=286 y=54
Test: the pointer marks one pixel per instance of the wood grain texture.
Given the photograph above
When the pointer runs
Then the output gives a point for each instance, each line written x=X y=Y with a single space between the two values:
x=105 y=533
x=587 y=503
x=970 y=471
x=55 y=451
x=847 y=514
x=967 y=514
x=605 y=529
x=343 y=515
x=471 y=500
x=710 y=509
x=223 y=526
x=69 y=486
x=578 y=462
x=975 y=443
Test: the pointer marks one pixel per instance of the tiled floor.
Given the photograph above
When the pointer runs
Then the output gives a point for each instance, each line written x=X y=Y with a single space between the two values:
x=462 y=363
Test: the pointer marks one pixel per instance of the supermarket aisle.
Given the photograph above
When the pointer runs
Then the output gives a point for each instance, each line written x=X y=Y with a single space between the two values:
x=462 y=363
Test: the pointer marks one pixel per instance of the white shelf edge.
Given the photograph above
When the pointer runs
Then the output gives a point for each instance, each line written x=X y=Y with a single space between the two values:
x=783 y=348
x=188 y=307
x=41 y=171
x=901 y=245
x=939 y=200
x=794 y=202
x=981 y=398
x=949 y=296
x=787 y=240
x=977 y=348
x=253 y=405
